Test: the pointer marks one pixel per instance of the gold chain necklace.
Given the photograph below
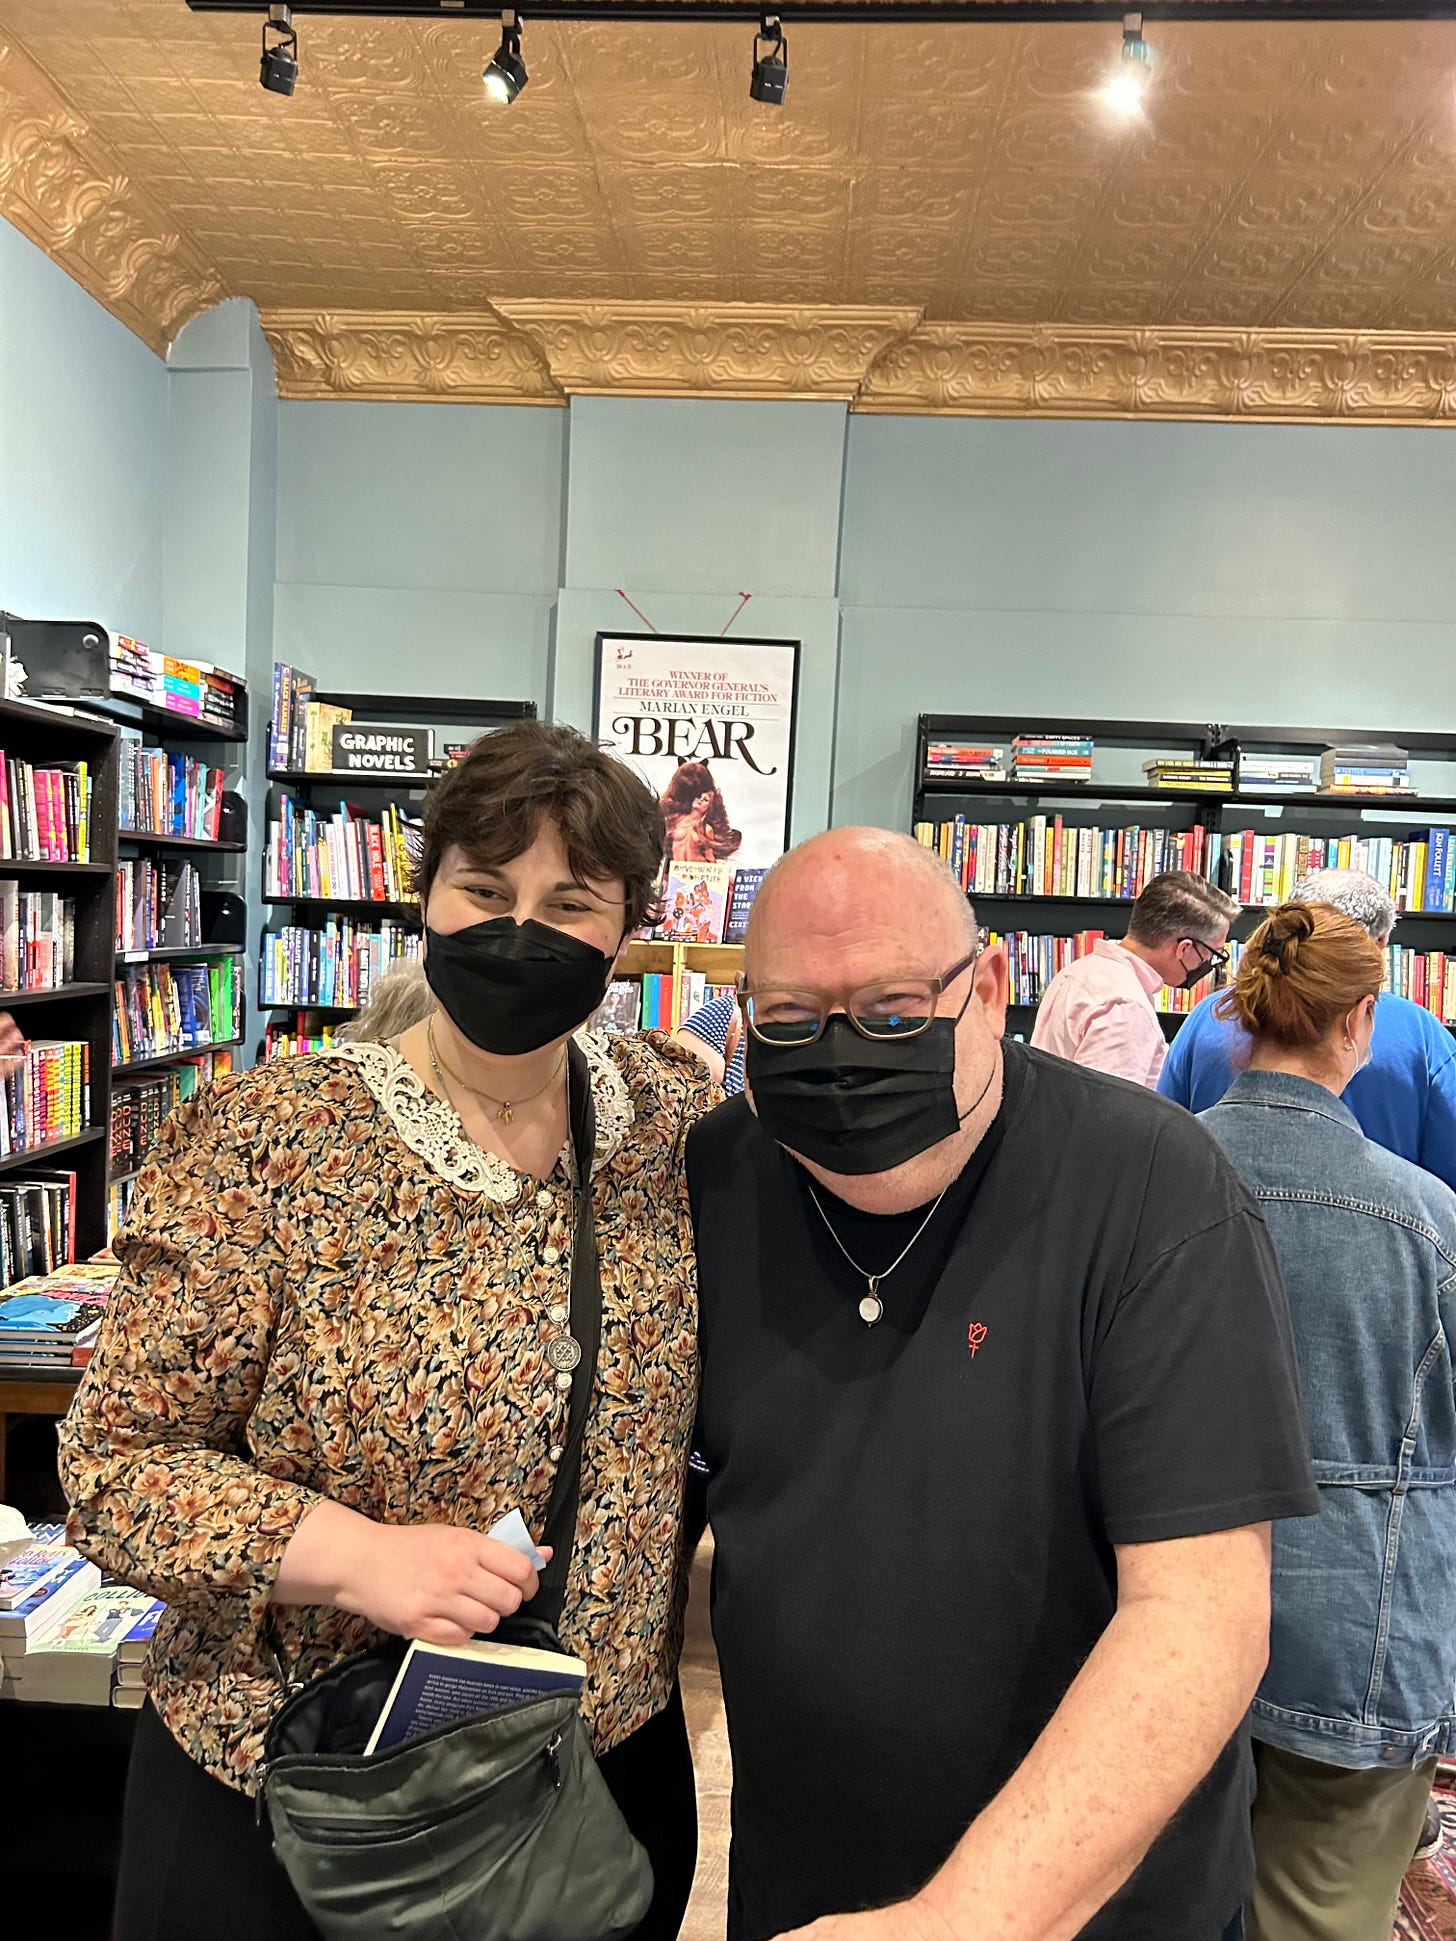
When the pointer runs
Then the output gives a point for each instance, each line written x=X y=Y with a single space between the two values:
x=505 y=1108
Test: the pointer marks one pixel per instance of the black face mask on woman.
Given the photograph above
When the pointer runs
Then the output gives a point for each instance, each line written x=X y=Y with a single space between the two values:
x=859 y=1105
x=512 y=987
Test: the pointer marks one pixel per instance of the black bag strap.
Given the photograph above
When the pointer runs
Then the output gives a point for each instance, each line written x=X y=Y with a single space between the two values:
x=586 y=1325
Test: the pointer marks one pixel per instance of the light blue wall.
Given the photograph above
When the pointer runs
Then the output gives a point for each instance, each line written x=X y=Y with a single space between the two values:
x=83 y=428
x=419 y=546
x=686 y=505
x=1212 y=572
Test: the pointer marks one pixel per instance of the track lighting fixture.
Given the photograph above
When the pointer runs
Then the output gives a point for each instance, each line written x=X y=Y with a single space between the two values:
x=1128 y=82
x=771 y=67
x=278 y=71
x=505 y=72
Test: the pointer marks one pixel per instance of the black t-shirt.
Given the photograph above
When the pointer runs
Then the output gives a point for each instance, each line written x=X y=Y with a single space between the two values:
x=914 y=1523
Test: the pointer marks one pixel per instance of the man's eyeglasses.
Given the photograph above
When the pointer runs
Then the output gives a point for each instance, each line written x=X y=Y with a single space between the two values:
x=1215 y=955
x=900 y=1007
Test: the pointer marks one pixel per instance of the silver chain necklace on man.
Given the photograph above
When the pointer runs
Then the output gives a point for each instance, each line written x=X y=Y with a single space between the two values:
x=871 y=1307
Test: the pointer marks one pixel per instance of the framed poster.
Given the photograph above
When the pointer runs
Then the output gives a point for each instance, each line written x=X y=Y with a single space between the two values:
x=709 y=725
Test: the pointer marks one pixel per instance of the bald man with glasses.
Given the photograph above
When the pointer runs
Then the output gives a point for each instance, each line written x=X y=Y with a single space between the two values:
x=998 y=1402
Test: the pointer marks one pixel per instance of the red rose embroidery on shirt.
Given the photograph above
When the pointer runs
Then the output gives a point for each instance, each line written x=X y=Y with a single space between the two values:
x=975 y=1335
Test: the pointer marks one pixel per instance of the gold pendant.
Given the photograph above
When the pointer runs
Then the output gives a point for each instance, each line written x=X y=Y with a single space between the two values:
x=506 y=1115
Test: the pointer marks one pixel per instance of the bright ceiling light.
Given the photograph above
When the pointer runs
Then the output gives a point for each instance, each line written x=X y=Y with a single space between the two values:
x=1127 y=85
x=505 y=72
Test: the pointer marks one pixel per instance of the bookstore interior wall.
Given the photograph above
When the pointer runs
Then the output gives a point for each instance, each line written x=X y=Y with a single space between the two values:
x=83 y=427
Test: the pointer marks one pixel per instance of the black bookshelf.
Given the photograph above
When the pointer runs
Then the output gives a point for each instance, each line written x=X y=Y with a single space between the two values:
x=469 y=715
x=151 y=839
x=80 y=1009
x=171 y=1058
x=939 y=797
x=203 y=741
x=170 y=953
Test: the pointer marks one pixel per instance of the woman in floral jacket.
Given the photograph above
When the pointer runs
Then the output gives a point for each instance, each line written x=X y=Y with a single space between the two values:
x=325 y=1371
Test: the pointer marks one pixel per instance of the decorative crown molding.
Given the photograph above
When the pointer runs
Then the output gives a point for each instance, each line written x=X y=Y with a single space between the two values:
x=1084 y=371
x=730 y=350
x=463 y=357
x=884 y=361
x=60 y=186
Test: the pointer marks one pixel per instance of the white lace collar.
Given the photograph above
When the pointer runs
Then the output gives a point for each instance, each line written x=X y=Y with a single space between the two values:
x=431 y=1128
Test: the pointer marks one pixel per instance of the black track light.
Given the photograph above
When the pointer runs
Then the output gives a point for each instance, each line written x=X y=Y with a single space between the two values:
x=279 y=68
x=771 y=67
x=505 y=72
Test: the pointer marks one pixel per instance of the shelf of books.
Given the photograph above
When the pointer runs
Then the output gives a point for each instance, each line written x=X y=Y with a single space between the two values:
x=58 y=795
x=695 y=953
x=178 y=988
x=349 y=773
x=1027 y=815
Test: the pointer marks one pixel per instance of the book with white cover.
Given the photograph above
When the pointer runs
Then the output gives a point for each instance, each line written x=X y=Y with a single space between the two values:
x=34 y=1616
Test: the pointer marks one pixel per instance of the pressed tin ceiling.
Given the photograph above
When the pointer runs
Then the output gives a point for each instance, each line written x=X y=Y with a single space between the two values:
x=955 y=188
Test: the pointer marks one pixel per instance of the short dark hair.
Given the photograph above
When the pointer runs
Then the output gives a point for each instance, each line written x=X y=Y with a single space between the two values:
x=493 y=802
x=1179 y=903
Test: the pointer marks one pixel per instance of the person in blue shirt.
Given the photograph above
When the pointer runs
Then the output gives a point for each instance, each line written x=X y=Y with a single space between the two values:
x=714 y=1035
x=1404 y=1099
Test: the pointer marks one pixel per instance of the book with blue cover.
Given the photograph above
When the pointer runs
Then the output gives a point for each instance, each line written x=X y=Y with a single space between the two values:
x=440 y=1685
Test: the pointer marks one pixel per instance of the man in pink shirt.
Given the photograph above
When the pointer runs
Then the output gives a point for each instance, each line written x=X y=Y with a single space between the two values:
x=1099 y=1010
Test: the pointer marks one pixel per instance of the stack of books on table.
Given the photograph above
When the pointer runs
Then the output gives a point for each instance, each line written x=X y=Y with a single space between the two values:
x=52 y=1320
x=974 y=761
x=1049 y=759
x=1375 y=768
x=67 y=1638
x=1196 y=777
x=1276 y=774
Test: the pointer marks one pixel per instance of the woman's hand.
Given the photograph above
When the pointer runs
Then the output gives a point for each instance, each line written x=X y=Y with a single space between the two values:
x=436 y=1582
x=421 y=1580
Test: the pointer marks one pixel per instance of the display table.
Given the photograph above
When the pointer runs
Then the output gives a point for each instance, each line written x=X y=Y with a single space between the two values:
x=33 y=1391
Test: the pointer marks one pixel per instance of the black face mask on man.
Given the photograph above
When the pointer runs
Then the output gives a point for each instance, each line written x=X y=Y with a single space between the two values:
x=1211 y=963
x=853 y=1104
x=512 y=987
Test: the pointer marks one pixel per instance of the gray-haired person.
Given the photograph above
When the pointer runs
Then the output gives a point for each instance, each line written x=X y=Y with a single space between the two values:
x=1404 y=1099
x=398 y=999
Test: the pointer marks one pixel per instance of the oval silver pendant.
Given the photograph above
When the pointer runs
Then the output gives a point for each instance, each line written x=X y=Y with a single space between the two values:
x=870 y=1309
x=563 y=1382
x=563 y=1352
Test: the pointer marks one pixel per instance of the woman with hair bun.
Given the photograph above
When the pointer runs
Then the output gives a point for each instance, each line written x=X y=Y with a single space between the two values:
x=1357 y=1702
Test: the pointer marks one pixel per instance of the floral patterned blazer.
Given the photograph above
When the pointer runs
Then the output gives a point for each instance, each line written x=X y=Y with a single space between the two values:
x=328 y=1290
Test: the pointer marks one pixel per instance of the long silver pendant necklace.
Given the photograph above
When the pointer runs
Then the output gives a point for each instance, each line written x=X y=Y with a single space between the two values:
x=871 y=1307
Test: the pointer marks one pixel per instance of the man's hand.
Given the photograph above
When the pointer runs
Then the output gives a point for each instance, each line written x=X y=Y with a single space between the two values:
x=12 y=1044
x=907 y=1921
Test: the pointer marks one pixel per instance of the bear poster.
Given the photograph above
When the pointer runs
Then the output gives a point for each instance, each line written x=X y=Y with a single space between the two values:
x=709 y=725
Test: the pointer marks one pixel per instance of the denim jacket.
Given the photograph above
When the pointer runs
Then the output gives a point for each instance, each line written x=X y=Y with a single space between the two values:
x=1362 y=1665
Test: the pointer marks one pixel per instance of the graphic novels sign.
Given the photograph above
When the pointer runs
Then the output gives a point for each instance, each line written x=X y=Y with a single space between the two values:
x=709 y=724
